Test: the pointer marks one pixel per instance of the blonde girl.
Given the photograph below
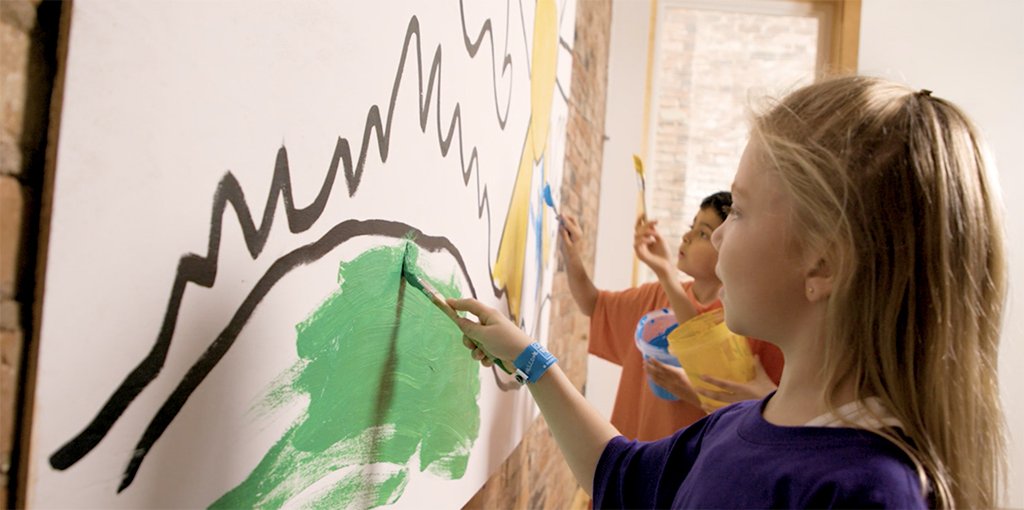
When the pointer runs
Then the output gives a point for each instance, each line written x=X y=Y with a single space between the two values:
x=865 y=240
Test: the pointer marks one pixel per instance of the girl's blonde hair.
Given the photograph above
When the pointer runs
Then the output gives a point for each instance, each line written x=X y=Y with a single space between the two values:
x=893 y=186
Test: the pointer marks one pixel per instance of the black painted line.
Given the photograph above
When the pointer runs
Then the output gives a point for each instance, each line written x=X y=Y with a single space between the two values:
x=203 y=270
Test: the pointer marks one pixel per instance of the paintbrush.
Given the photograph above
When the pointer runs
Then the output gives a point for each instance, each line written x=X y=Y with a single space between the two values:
x=551 y=202
x=428 y=290
x=639 y=165
x=435 y=297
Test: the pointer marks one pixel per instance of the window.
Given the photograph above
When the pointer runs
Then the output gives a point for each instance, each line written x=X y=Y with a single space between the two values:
x=710 y=61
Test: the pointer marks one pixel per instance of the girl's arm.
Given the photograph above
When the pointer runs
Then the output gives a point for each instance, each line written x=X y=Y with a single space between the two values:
x=580 y=284
x=579 y=430
x=652 y=250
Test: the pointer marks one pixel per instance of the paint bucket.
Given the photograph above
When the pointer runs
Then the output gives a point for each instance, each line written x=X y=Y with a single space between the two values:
x=705 y=346
x=652 y=340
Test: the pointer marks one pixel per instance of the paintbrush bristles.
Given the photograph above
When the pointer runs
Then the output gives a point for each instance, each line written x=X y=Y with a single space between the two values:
x=639 y=165
x=435 y=297
x=426 y=288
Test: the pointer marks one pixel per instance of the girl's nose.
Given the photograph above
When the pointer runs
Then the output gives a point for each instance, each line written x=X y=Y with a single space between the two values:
x=716 y=237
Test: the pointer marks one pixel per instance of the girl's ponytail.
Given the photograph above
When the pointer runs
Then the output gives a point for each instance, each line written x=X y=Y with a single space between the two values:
x=896 y=184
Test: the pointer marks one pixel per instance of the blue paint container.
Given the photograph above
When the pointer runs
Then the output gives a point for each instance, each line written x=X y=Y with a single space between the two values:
x=652 y=340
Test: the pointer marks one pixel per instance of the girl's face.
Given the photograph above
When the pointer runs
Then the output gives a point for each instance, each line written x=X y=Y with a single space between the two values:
x=697 y=256
x=761 y=270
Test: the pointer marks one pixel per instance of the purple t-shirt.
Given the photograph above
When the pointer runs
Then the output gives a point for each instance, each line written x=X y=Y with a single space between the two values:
x=733 y=458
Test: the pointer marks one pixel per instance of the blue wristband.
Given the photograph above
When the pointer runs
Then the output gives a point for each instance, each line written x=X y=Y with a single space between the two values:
x=532 y=363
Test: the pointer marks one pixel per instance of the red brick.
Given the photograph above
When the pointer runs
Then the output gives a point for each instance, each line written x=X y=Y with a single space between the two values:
x=10 y=315
x=10 y=360
x=20 y=14
x=14 y=46
x=11 y=212
x=10 y=155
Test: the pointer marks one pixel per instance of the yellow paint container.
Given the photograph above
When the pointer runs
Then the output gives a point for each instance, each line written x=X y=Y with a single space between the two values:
x=705 y=346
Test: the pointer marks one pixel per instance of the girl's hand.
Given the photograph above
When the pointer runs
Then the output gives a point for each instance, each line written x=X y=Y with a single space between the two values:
x=570 y=233
x=493 y=337
x=651 y=248
x=673 y=379
x=756 y=389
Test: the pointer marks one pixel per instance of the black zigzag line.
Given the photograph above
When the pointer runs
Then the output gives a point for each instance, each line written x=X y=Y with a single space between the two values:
x=473 y=47
x=203 y=270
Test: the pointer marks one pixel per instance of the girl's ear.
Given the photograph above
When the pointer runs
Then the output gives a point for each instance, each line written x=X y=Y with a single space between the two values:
x=818 y=282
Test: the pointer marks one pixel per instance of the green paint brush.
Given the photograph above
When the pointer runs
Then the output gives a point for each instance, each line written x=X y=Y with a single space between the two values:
x=435 y=297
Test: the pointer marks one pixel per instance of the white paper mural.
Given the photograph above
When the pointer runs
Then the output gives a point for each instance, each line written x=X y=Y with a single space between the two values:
x=238 y=187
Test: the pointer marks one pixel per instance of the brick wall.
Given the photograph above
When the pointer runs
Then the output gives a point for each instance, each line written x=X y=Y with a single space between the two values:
x=28 y=35
x=711 y=66
x=535 y=475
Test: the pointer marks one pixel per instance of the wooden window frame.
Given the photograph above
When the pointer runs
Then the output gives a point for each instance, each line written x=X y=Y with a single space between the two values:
x=837 y=50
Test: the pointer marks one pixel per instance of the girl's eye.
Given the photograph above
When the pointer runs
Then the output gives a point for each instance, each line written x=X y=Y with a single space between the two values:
x=705 y=235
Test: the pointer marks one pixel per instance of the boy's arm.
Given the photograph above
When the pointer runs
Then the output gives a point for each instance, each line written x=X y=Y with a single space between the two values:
x=682 y=307
x=673 y=379
x=652 y=250
x=579 y=430
x=580 y=284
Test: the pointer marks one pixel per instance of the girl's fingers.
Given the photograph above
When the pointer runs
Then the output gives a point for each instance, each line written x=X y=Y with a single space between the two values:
x=485 y=314
x=467 y=305
x=469 y=343
x=478 y=354
x=722 y=383
x=717 y=395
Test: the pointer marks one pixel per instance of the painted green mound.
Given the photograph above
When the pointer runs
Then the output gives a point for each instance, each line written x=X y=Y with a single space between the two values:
x=386 y=377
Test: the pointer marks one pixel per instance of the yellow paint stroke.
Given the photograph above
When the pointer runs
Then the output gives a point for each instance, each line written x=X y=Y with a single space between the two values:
x=508 y=267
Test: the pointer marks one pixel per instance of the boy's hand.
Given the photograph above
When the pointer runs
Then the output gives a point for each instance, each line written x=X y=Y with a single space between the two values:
x=673 y=379
x=493 y=337
x=570 y=232
x=756 y=389
x=651 y=248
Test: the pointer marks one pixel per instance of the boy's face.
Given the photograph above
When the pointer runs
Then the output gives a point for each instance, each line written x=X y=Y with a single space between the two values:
x=697 y=256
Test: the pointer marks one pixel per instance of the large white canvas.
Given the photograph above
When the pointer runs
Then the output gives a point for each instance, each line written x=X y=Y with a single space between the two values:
x=171 y=108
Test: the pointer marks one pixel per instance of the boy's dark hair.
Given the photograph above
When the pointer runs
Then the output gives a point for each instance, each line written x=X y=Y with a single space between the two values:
x=721 y=202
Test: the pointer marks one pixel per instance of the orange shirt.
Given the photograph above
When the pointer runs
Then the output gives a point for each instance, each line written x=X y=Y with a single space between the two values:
x=638 y=413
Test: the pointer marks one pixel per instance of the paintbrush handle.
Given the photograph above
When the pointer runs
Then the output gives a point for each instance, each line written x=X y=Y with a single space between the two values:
x=440 y=302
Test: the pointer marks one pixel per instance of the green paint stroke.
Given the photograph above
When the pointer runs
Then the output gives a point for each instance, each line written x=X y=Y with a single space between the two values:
x=379 y=390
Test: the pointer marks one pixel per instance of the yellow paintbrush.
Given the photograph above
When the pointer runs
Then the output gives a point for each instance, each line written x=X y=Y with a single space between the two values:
x=642 y=192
